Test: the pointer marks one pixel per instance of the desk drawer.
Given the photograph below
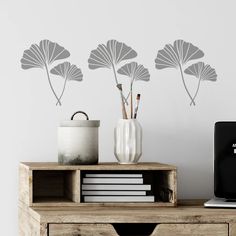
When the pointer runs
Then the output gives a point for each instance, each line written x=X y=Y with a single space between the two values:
x=81 y=230
x=191 y=229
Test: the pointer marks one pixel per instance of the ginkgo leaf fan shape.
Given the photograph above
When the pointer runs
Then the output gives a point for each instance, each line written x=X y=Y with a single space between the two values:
x=203 y=72
x=177 y=55
x=106 y=56
x=41 y=56
x=120 y=51
x=135 y=71
x=68 y=72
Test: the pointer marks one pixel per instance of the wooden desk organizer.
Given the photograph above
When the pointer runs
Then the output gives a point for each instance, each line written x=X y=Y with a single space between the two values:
x=50 y=184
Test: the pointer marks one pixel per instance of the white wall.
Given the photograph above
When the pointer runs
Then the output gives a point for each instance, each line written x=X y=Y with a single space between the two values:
x=174 y=132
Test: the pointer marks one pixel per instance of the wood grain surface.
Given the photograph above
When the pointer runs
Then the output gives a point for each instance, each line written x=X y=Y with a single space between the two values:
x=81 y=230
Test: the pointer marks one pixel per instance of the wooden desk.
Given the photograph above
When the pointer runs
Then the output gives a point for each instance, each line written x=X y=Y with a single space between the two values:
x=189 y=218
x=51 y=204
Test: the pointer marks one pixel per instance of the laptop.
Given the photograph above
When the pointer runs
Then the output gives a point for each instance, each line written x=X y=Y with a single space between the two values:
x=224 y=165
x=220 y=203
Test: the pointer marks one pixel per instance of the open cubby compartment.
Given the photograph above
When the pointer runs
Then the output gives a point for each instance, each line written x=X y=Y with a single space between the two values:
x=51 y=184
x=163 y=184
x=54 y=186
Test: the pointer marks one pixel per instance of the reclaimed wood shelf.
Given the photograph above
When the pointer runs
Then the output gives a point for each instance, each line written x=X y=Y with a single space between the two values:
x=51 y=184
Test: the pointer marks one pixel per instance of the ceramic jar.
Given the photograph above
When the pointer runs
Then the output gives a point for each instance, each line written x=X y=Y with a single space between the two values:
x=78 y=141
x=128 y=141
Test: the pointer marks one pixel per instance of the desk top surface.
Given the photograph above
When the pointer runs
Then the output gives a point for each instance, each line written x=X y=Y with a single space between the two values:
x=191 y=211
x=99 y=166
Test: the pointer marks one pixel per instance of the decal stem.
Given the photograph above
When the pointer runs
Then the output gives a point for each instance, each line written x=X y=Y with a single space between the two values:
x=114 y=71
x=195 y=95
x=63 y=90
x=182 y=75
x=49 y=80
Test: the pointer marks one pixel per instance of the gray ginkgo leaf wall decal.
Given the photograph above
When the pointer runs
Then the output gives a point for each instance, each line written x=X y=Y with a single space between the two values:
x=111 y=54
x=42 y=56
x=202 y=72
x=68 y=72
x=176 y=56
x=136 y=73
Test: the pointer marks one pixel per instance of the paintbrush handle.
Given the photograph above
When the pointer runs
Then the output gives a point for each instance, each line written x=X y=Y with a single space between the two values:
x=136 y=110
x=135 y=114
x=137 y=105
x=123 y=107
x=124 y=113
x=131 y=105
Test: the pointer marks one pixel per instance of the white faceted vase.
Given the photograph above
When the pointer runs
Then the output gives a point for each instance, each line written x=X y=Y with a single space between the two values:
x=128 y=141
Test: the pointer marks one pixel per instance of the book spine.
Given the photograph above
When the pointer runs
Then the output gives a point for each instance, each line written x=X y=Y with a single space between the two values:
x=112 y=180
x=114 y=193
x=119 y=198
x=116 y=187
x=113 y=175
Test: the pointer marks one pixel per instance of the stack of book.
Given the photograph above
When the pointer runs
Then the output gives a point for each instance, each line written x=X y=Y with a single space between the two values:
x=115 y=188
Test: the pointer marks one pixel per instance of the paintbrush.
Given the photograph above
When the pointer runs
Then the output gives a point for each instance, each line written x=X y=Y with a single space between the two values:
x=137 y=105
x=119 y=86
x=131 y=103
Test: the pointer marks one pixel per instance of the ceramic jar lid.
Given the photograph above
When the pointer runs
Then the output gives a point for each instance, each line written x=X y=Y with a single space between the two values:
x=80 y=123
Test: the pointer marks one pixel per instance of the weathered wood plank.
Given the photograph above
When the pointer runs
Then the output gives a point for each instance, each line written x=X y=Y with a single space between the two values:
x=25 y=184
x=60 y=202
x=44 y=229
x=232 y=229
x=105 y=215
x=81 y=230
x=100 y=166
x=28 y=226
x=173 y=185
x=135 y=215
x=191 y=229
x=72 y=190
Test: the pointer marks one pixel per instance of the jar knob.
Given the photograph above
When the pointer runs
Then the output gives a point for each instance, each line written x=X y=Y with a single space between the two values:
x=79 y=112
